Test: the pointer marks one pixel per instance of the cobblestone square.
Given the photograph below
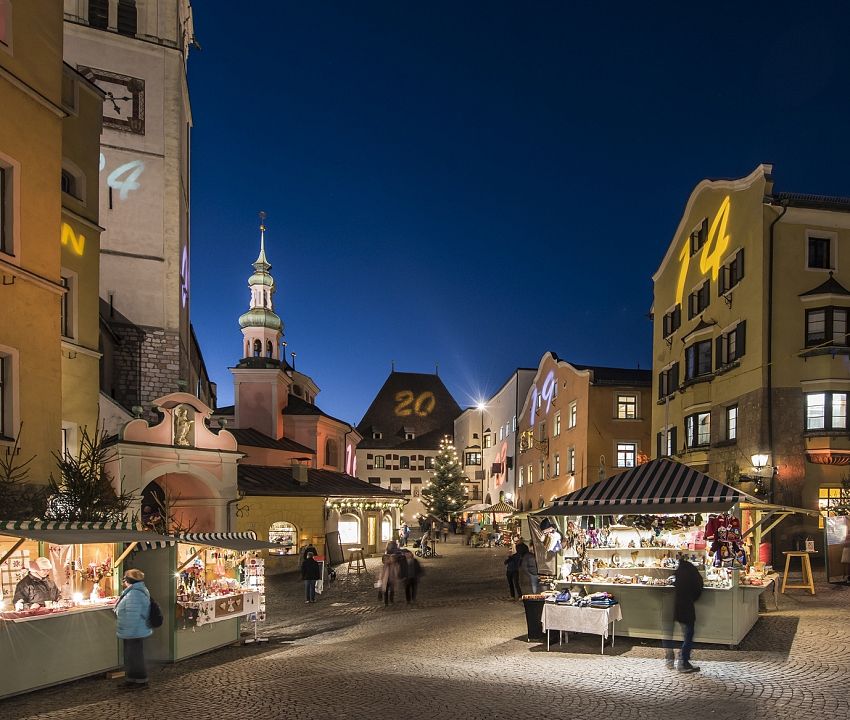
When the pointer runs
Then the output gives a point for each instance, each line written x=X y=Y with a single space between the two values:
x=461 y=652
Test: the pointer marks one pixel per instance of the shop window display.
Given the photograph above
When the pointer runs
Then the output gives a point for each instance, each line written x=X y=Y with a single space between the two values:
x=285 y=535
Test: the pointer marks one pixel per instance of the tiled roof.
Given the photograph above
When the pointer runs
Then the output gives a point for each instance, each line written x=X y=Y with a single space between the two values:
x=813 y=202
x=225 y=410
x=296 y=406
x=278 y=481
x=404 y=402
x=617 y=376
x=829 y=287
x=255 y=438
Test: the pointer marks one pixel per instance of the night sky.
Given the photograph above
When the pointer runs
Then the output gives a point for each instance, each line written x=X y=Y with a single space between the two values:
x=475 y=183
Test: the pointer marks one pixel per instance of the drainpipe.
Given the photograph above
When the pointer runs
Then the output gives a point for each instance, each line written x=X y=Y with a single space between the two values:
x=239 y=496
x=784 y=206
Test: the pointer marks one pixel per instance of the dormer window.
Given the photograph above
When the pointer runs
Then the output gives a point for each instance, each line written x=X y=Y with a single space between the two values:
x=377 y=436
x=409 y=436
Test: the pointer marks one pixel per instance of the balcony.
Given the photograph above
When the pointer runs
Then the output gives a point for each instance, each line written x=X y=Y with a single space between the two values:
x=827 y=447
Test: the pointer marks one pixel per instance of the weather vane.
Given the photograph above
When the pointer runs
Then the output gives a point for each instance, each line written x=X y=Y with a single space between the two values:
x=262 y=220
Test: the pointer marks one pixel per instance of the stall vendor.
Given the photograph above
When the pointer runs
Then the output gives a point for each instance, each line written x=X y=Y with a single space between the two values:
x=37 y=587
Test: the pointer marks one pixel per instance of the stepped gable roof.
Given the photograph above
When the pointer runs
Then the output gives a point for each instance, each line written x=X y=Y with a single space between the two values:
x=617 y=376
x=829 y=287
x=399 y=404
x=298 y=406
x=255 y=438
x=279 y=481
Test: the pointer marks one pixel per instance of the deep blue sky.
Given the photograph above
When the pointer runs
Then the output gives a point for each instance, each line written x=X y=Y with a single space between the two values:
x=474 y=183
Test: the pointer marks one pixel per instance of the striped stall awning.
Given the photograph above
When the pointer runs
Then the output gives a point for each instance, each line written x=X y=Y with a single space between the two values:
x=78 y=533
x=500 y=507
x=659 y=486
x=240 y=541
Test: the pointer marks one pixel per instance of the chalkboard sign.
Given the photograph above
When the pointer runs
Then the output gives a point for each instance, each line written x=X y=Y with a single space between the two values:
x=333 y=549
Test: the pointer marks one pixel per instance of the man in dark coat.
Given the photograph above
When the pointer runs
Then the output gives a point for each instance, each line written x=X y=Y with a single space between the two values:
x=311 y=571
x=688 y=589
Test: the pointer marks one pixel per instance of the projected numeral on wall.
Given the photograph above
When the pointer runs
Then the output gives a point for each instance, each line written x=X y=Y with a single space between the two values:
x=408 y=403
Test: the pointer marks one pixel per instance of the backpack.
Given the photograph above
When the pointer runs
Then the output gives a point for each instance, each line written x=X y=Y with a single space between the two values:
x=155 y=614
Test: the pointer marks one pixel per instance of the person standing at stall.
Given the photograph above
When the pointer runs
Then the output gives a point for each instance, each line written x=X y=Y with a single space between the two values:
x=688 y=589
x=132 y=612
x=311 y=571
x=512 y=563
x=529 y=564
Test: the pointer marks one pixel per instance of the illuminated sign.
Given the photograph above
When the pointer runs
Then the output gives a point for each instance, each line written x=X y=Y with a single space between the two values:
x=711 y=257
x=547 y=392
x=501 y=459
x=408 y=403
x=125 y=177
x=350 y=460
x=77 y=243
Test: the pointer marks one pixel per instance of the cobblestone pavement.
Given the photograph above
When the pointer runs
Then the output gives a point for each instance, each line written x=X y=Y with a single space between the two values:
x=461 y=653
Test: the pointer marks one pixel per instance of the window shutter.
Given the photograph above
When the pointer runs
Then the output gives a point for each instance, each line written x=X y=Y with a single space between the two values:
x=660 y=385
x=740 y=274
x=658 y=452
x=674 y=447
x=718 y=351
x=722 y=279
x=741 y=340
x=677 y=316
x=673 y=383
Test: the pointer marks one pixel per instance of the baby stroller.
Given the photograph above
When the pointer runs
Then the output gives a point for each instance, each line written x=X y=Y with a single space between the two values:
x=423 y=549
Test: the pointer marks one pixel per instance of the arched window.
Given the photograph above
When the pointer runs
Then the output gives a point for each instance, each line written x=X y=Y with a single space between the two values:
x=386 y=529
x=154 y=508
x=127 y=17
x=285 y=535
x=541 y=502
x=331 y=454
x=99 y=13
x=269 y=348
x=528 y=505
x=248 y=348
x=349 y=529
x=258 y=348
x=488 y=500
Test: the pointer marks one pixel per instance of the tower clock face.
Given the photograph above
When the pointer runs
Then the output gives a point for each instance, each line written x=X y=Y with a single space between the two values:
x=124 y=105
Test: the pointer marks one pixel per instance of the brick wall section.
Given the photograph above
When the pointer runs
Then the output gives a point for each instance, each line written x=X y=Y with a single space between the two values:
x=146 y=365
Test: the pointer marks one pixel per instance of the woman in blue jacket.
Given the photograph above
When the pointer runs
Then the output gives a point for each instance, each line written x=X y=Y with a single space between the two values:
x=132 y=611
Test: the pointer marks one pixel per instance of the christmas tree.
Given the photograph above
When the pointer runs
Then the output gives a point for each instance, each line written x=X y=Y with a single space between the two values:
x=444 y=494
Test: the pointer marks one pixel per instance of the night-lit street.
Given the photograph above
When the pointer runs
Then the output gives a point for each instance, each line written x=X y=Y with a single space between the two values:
x=462 y=653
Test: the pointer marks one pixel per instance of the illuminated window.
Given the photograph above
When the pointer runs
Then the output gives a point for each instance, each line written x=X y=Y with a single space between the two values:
x=573 y=419
x=542 y=470
x=829 y=497
x=377 y=436
x=698 y=360
x=429 y=463
x=626 y=454
x=699 y=236
x=513 y=424
x=349 y=529
x=557 y=463
x=731 y=345
x=472 y=458
x=698 y=300
x=826 y=326
x=539 y=401
x=730 y=275
x=404 y=463
x=672 y=321
x=698 y=429
x=530 y=474
x=379 y=461
x=668 y=381
x=5 y=396
x=488 y=440
x=571 y=461
x=386 y=529
x=556 y=429
x=541 y=429
x=826 y=411
x=665 y=442
x=626 y=407
x=501 y=433
x=732 y=422
x=819 y=256
x=521 y=475
x=285 y=536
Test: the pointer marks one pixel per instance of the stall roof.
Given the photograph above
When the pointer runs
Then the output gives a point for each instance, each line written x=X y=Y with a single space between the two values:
x=78 y=533
x=500 y=507
x=480 y=507
x=241 y=542
x=659 y=486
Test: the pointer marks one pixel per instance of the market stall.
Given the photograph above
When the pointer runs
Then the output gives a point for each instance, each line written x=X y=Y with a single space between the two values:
x=206 y=584
x=58 y=587
x=627 y=533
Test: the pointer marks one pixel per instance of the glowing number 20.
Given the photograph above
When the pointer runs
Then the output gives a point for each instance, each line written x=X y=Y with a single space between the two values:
x=423 y=404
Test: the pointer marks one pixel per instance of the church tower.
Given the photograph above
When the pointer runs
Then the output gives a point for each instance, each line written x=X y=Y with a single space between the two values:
x=262 y=379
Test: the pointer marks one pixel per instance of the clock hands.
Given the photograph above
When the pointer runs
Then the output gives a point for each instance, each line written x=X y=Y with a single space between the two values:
x=114 y=100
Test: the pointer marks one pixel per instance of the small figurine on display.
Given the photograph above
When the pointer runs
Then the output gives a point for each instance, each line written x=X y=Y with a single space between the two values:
x=723 y=558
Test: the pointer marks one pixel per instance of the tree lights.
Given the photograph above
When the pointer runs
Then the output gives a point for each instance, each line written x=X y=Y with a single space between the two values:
x=444 y=493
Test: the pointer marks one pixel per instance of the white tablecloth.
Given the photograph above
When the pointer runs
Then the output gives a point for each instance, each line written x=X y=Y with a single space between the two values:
x=580 y=619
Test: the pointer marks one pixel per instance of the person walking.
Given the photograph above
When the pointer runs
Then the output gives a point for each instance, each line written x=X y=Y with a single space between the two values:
x=131 y=613
x=445 y=529
x=412 y=572
x=529 y=564
x=405 y=529
x=311 y=571
x=689 y=586
x=512 y=563
x=389 y=573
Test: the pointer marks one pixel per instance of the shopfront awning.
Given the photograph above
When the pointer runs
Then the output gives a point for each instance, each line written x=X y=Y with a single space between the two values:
x=241 y=542
x=78 y=533
x=480 y=507
x=659 y=486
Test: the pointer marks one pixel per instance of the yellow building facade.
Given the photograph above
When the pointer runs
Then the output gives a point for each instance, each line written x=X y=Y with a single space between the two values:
x=50 y=119
x=750 y=345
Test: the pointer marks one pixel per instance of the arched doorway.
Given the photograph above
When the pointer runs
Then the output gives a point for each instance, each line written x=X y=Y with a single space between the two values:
x=349 y=529
x=154 y=509
x=386 y=529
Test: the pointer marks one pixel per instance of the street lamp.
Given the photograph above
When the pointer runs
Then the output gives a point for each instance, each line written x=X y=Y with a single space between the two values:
x=760 y=461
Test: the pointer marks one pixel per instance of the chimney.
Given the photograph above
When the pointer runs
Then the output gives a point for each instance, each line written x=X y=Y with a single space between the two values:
x=299 y=474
